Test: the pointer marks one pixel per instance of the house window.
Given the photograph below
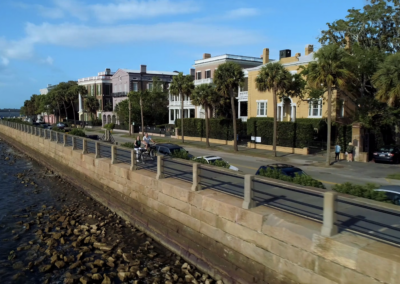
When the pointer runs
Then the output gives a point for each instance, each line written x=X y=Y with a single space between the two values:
x=135 y=87
x=98 y=90
x=261 y=108
x=315 y=108
x=125 y=88
x=198 y=75
x=92 y=90
x=172 y=114
x=208 y=74
x=150 y=86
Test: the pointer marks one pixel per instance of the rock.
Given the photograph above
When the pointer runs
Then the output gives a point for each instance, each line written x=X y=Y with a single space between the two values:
x=106 y=280
x=69 y=258
x=61 y=219
x=84 y=280
x=94 y=270
x=56 y=236
x=30 y=265
x=110 y=264
x=142 y=274
x=45 y=268
x=18 y=265
x=123 y=276
x=99 y=262
x=219 y=282
x=165 y=269
x=60 y=264
x=97 y=276
x=18 y=275
x=78 y=257
x=53 y=259
x=69 y=280
x=75 y=265
x=39 y=260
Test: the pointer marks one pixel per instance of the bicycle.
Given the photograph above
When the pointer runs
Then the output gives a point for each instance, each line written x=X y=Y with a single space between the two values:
x=148 y=154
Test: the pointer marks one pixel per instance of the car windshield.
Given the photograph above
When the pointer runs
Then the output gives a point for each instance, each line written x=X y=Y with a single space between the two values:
x=292 y=171
x=386 y=149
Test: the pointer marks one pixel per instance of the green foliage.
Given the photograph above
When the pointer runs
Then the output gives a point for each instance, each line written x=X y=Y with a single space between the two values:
x=289 y=134
x=304 y=180
x=91 y=105
x=77 y=132
x=394 y=176
x=365 y=191
x=17 y=120
x=109 y=126
x=217 y=163
x=128 y=145
x=219 y=128
x=95 y=122
x=182 y=154
x=55 y=128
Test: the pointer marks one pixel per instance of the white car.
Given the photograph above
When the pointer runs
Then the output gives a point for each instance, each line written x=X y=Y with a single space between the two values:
x=210 y=159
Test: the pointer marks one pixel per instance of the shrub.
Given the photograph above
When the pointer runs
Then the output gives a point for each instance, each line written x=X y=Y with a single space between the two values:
x=77 y=132
x=182 y=154
x=109 y=126
x=365 y=191
x=128 y=145
x=298 y=179
x=55 y=128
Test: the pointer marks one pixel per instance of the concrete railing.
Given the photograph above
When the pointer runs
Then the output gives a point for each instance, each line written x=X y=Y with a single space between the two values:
x=327 y=207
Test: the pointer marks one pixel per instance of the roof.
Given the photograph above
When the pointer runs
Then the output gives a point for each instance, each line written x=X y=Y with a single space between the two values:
x=151 y=72
x=231 y=57
x=305 y=59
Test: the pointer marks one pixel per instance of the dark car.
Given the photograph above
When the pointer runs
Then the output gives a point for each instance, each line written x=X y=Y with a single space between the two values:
x=167 y=149
x=288 y=170
x=93 y=137
x=389 y=154
x=392 y=192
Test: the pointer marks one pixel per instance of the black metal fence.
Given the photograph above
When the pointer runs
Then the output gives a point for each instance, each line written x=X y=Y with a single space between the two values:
x=104 y=151
x=90 y=147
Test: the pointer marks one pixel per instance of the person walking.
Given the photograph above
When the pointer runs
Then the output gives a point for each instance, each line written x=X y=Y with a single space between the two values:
x=350 y=152
x=337 y=152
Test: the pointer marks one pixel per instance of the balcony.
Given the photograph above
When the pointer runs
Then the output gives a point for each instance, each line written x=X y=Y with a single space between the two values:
x=94 y=78
x=178 y=103
x=119 y=94
x=203 y=81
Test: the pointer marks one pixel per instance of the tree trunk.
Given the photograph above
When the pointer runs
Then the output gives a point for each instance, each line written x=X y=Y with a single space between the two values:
x=129 y=119
x=59 y=112
x=207 y=128
x=141 y=115
x=235 y=147
x=65 y=110
x=183 y=139
x=275 y=121
x=73 y=111
x=328 y=140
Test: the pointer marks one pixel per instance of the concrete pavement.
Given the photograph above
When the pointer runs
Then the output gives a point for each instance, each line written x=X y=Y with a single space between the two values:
x=249 y=160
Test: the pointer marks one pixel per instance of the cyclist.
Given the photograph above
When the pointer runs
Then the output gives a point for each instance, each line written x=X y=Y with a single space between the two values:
x=146 y=140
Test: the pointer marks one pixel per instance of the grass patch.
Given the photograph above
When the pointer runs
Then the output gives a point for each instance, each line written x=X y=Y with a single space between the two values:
x=394 y=176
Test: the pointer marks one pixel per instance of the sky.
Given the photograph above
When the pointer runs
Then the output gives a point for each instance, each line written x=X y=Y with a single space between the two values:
x=51 y=41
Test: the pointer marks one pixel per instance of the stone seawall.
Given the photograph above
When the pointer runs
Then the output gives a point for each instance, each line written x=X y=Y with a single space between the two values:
x=212 y=231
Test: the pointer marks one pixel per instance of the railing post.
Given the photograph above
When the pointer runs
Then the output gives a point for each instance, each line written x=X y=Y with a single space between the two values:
x=65 y=140
x=73 y=143
x=113 y=154
x=160 y=167
x=248 y=200
x=196 y=177
x=133 y=160
x=56 y=137
x=329 y=228
x=84 y=146
x=97 y=149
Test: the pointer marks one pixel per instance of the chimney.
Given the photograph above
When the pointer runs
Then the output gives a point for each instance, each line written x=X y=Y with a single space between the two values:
x=143 y=68
x=206 y=55
x=265 y=55
x=309 y=49
x=108 y=71
x=191 y=72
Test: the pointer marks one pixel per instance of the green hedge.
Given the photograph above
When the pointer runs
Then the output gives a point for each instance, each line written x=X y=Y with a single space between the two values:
x=298 y=179
x=289 y=134
x=77 y=132
x=219 y=128
x=365 y=191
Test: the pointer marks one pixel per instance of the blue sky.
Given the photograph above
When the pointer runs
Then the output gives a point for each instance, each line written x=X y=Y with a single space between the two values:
x=50 y=41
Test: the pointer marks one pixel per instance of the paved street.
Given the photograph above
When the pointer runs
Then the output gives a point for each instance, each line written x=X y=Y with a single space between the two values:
x=249 y=160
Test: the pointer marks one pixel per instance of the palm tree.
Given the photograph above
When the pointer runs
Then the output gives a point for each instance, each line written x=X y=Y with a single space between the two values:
x=141 y=96
x=73 y=95
x=182 y=85
x=203 y=95
x=330 y=71
x=91 y=105
x=274 y=77
x=227 y=78
x=387 y=82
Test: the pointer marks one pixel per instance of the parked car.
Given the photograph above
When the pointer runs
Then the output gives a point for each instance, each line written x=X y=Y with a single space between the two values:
x=392 y=192
x=388 y=153
x=61 y=125
x=288 y=170
x=166 y=149
x=211 y=159
x=93 y=137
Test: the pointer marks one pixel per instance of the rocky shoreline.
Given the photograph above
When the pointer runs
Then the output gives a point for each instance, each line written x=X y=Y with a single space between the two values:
x=77 y=240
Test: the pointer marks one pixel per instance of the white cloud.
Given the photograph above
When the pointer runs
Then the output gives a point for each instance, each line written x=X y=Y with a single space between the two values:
x=49 y=60
x=4 y=61
x=73 y=35
x=241 y=13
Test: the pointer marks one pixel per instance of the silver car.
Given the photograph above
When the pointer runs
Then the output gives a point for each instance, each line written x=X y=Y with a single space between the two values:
x=392 y=192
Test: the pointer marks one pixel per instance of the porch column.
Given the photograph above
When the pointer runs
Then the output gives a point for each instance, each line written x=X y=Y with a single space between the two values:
x=239 y=108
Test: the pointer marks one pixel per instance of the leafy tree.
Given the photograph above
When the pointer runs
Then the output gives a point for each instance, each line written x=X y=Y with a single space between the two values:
x=204 y=95
x=182 y=85
x=140 y=96
x=330 y=70
x=274 y=77
x=91 y=106
x=227 y=78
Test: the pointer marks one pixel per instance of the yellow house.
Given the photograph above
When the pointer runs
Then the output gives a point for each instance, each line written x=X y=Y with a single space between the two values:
x=259 y=104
